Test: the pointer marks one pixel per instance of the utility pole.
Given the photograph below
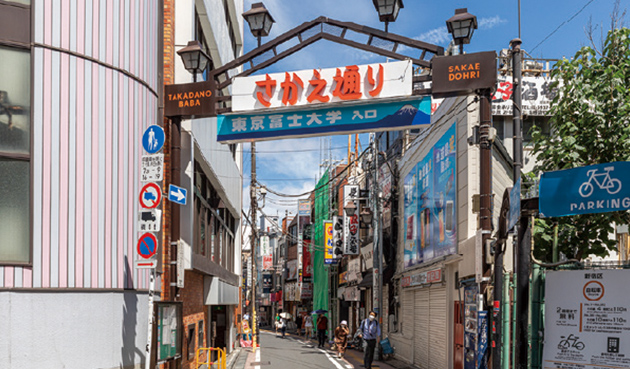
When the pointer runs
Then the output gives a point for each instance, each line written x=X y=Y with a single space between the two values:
x=253 y=204
x=377 y=243
x=524 y=228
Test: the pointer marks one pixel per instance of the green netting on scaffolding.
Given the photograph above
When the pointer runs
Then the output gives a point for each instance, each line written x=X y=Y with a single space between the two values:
x=320 y=274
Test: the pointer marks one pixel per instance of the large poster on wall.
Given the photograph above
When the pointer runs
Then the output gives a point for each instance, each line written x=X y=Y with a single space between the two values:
x=431 y=203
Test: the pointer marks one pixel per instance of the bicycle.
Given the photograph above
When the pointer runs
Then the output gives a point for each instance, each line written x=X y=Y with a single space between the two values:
x=611 y=185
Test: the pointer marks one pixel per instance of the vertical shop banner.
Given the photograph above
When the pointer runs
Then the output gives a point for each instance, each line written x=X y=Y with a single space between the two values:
x=307 y=264
x=410 y=208
x=328 y=242
x=430 y=203
x=338 y=229
x=351 y=223
x=266 y=253
x=587 y=319
x=267 y=282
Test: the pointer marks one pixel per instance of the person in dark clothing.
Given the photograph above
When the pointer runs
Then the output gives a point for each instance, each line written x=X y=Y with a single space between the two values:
x=298 y=323
x=370 y=332
x=322 y=325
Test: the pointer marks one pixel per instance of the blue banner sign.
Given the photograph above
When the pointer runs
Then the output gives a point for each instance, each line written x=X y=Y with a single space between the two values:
x=597 y=188
x=336 y=119
x=515 y=205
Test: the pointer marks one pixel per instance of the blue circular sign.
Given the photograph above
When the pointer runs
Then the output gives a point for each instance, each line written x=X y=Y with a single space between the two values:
x=153 y=139
x=147 y=245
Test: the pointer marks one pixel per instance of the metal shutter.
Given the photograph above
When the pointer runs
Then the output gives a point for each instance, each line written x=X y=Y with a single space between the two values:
x=407 y=318
x=438 y=328
x=421 y=328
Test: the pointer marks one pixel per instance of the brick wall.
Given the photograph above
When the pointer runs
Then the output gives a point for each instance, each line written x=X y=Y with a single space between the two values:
x=193 y=312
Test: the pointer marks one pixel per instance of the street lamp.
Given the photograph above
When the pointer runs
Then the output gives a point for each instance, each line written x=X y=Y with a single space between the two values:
x=194 y=58
x=387 y=10
x=461 y=26
x=366 y=215
x=259 y=20
x=350 y=208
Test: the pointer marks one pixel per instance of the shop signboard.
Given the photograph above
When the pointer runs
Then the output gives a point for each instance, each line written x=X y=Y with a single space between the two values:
x=428 y=277
x=457 y=75
x=304 y=207
x=267 y=282
x=338 y=229
x=430 y=205
x=587 y=319
x=307 y=265
x=328 y=242
x=536 y=96
x=307 y=290
x=470 y=326
x=313 y=87
x=351 y=223
x=292 y=266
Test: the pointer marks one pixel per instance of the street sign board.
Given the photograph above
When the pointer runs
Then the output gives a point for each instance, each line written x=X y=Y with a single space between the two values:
x=323 y=120
x=597 y=188
x=150 y=220
x=145 y=264
x=152 y=168
x=150 y=196
x=188 y=99
x=587 y=319
x=153 y=139
x=177 y=194
x=328 y=242
x=457 y=75
x=147 y=245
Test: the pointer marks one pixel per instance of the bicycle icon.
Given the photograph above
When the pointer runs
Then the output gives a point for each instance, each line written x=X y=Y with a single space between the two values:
x=571 y=342
x=602 y=180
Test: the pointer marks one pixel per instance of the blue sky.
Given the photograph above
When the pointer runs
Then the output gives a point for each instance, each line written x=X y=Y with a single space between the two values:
x=550 y=29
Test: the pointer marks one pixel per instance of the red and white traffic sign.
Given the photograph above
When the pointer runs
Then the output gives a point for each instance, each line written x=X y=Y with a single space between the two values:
x=150 y=196
x=147 y=245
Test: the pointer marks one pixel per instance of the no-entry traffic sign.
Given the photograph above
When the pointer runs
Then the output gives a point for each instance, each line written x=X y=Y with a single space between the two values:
x=150 y=196
x=147 y=245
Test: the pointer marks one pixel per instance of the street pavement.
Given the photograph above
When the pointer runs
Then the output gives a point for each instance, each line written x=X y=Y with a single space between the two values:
x=293 y=352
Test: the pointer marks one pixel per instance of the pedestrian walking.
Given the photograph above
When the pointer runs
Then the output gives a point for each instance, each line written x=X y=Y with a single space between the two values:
x=308 y=327
x=299 y=321
x=283 y=326
x=276 y=323
x=370 y=332
x=341 y=338
x=322 y=325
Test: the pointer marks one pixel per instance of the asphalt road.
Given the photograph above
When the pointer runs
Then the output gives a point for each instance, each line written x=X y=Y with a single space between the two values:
x=293 y=353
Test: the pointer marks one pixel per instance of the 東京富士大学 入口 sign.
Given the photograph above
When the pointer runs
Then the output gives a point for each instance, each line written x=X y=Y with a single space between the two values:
x=334 y=119
x=597 y=188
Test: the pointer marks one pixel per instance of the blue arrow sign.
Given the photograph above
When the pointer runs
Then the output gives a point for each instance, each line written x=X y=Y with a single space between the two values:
x=153 y=139
x=177 y=194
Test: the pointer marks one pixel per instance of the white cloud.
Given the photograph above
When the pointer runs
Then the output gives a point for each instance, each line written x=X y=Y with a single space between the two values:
x=489 y=23
x=437 y=36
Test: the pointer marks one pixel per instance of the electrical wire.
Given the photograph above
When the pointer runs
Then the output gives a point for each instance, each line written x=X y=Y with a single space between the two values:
x=562 y=24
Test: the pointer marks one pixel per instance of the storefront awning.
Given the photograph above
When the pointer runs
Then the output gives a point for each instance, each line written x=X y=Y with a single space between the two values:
x=367 y=280
x=218 y=292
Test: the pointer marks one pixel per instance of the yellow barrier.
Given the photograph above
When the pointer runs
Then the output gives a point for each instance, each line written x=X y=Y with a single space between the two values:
x=220 y=360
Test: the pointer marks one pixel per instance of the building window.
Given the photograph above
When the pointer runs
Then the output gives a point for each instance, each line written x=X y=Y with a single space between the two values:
x=200 y=334
x=15 y=148
x=190 y=341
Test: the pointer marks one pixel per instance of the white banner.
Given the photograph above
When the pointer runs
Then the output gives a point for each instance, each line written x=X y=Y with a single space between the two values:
x=322 y=86
x=338 y=229
x=351 y=224
x=587 y=322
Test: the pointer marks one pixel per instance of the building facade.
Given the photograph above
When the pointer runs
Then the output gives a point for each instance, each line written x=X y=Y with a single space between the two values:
x=80 y=83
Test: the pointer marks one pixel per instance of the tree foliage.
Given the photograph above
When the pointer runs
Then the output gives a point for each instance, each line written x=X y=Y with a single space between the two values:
x=590 y=125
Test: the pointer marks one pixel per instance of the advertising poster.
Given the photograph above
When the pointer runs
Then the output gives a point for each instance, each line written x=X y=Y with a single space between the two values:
x=430 y=203
x=411 y=249
x=328 y=242
x=425 y=201
x=443 y=214
x=587 y=319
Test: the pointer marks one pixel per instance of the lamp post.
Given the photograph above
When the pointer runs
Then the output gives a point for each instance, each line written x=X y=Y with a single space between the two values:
x=461 y=26
x=387 y=10
x=260 y=22
x=195 y=59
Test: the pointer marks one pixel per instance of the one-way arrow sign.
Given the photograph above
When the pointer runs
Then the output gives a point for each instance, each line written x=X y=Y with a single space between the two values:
x=177 y=194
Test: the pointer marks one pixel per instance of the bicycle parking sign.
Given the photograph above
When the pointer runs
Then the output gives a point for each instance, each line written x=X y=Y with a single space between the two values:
x=597 y=188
